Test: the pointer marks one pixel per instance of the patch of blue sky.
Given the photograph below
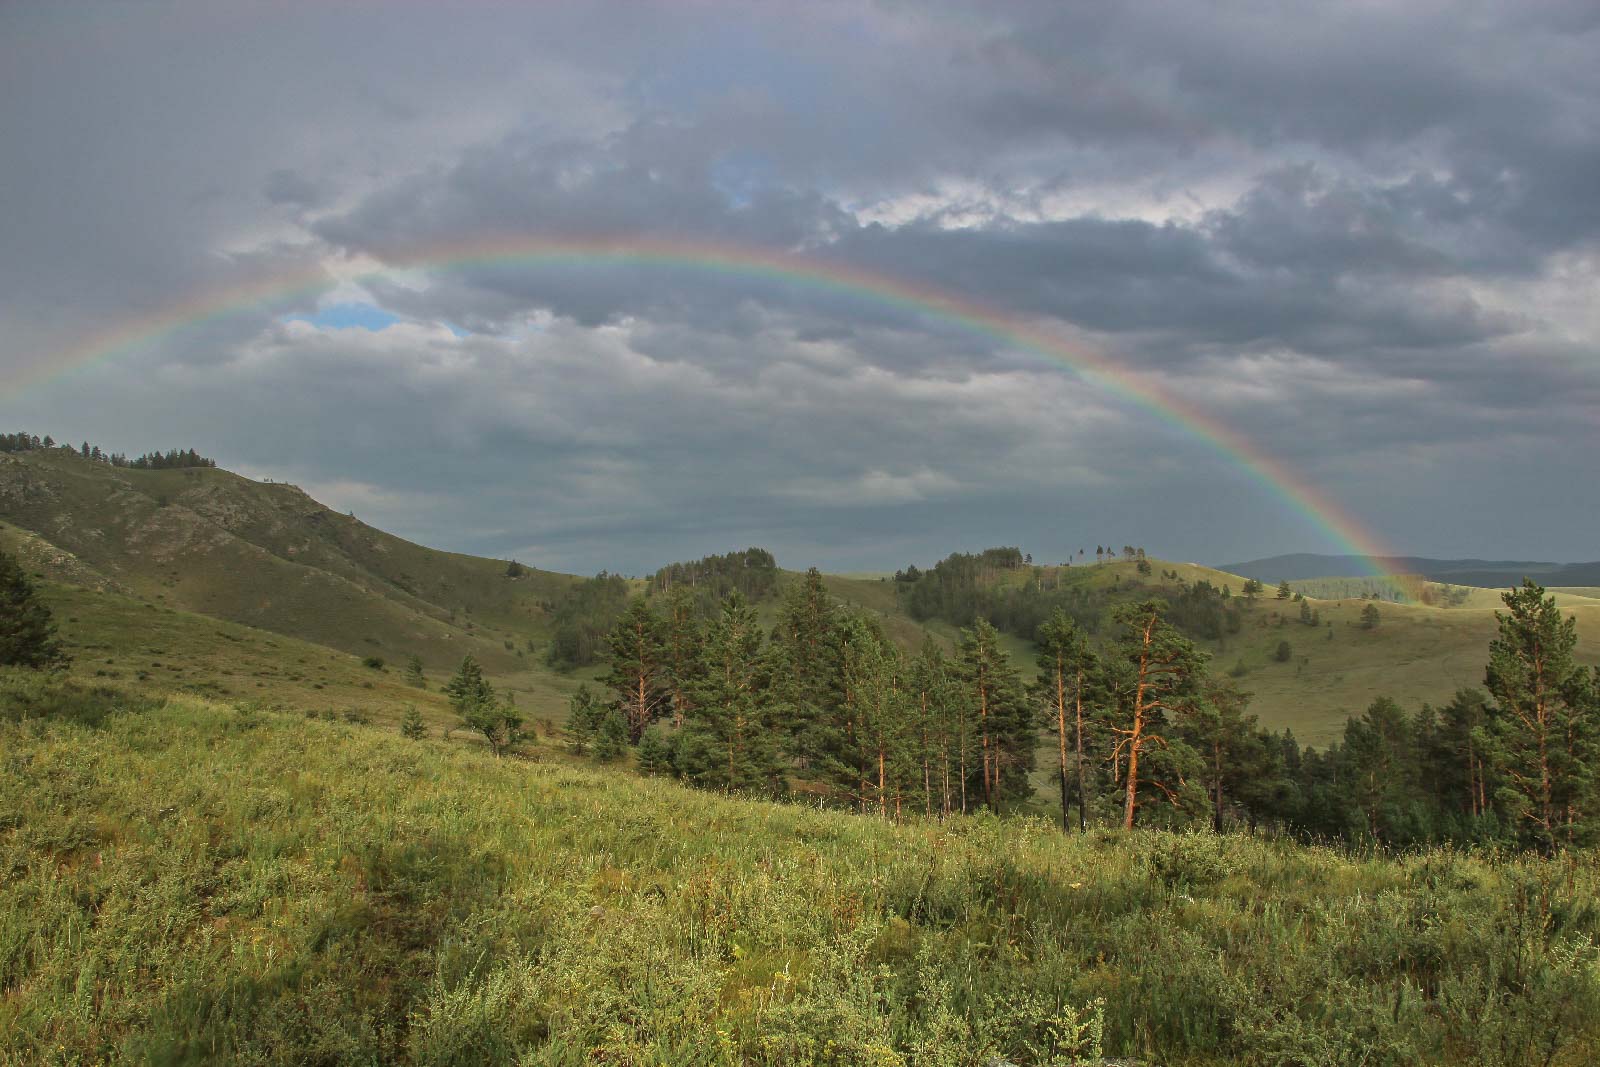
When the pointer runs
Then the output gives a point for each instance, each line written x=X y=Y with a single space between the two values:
x=351 y=316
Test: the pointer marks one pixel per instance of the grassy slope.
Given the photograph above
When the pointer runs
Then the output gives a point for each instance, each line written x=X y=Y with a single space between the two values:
x=154 y=650
x=269 y=556
x=189 y=884
x=1418 y=653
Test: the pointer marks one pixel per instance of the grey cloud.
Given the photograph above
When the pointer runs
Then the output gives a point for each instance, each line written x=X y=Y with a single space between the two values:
x=1354 y=234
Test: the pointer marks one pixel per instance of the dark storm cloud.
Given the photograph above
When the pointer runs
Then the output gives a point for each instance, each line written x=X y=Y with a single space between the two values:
x=1365 y=237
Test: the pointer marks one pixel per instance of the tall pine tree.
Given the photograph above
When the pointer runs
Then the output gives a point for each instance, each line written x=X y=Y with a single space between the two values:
x=1542 y=723
x=727 y=740
x=637 y=677
x=1160 y=670
x=1066 y=668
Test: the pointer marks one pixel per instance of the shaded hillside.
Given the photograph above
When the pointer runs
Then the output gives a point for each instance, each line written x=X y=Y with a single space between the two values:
x=267 y=555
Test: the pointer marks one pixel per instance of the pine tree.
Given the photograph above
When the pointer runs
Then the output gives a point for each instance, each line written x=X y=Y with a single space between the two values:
x=1370 y=617
x=727 y=741
x=637 y=677
x=584 y=714
x=805 y=659
x=996 y=703
x=655 y=753
x=1283 y=590
x=611 y=738
x=1377 y=753
x=1218 y=728
x=468 y=687
x=681 y=649
x=872 y=675
x=1066 y=666
x=1252 y=589
x=414 y=676
x=411 y=725
x=473 y=699
x=1543 y=723
x=1461 y=763
x=1162 y=670
x=27 y=631
x=931 y=692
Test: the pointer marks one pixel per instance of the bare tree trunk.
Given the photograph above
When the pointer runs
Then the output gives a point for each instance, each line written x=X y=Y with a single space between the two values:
x=1216 y=817
x=882 y=781
x=1083 y=816
x=1061 y=739
x=1136 y=736
x=983 y=720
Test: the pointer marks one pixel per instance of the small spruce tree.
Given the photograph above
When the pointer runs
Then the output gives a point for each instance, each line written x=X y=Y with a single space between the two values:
x=27 y=631
x=655 y=753
x=412 y=725
x=584 y=713
x=414 y=675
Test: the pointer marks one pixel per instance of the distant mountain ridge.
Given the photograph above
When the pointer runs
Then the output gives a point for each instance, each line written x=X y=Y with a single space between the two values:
x=1298 y=566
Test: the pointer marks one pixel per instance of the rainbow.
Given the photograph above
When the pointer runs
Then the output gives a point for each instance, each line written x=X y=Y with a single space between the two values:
x=1006 y=329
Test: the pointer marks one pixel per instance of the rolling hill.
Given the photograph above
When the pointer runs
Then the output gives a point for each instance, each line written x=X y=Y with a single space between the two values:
x=266 y=555
x=1476 y=572
x=253 y=591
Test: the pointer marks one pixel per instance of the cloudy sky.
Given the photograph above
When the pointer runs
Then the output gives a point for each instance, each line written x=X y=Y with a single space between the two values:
x=1365 y=238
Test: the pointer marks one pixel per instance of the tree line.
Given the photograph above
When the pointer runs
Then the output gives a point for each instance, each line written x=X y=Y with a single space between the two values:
x=582 y=618
x=1137 y=728
x=172 y=459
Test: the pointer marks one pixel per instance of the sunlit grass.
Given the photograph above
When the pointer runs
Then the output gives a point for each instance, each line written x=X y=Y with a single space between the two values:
x=190 y=882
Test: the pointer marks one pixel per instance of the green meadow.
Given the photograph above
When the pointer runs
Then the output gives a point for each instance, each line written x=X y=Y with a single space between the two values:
x=190 y=880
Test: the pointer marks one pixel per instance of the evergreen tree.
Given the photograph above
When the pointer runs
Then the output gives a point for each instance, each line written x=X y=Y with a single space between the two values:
x=682 y=660
x=584 y=715
x=467 y=686
x=1370 y=617
x=1283 y=590
x=805 y=664
x=1000 y=711
x=27 y=631
x=1226 y=739
x=1460 y=764
x=935 y=708
x=411 y=725
x=1542 y=723
x=1161 y=670
x=1377 y=763
x=1252 y=589
x=414 y=676
x=1066 y=666
x=871 y=673
x=727 y=741
x=611 y=738
x=637 y=678
x=474 y=701
x=655 y=753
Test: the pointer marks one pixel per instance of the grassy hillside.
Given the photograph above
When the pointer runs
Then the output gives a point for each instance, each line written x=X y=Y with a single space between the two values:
x=152 y=650
x=1418 y=652
x=189 y=883
x=267 y=555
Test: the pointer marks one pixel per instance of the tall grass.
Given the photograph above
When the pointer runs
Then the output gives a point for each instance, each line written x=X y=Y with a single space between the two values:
x=189 y=883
